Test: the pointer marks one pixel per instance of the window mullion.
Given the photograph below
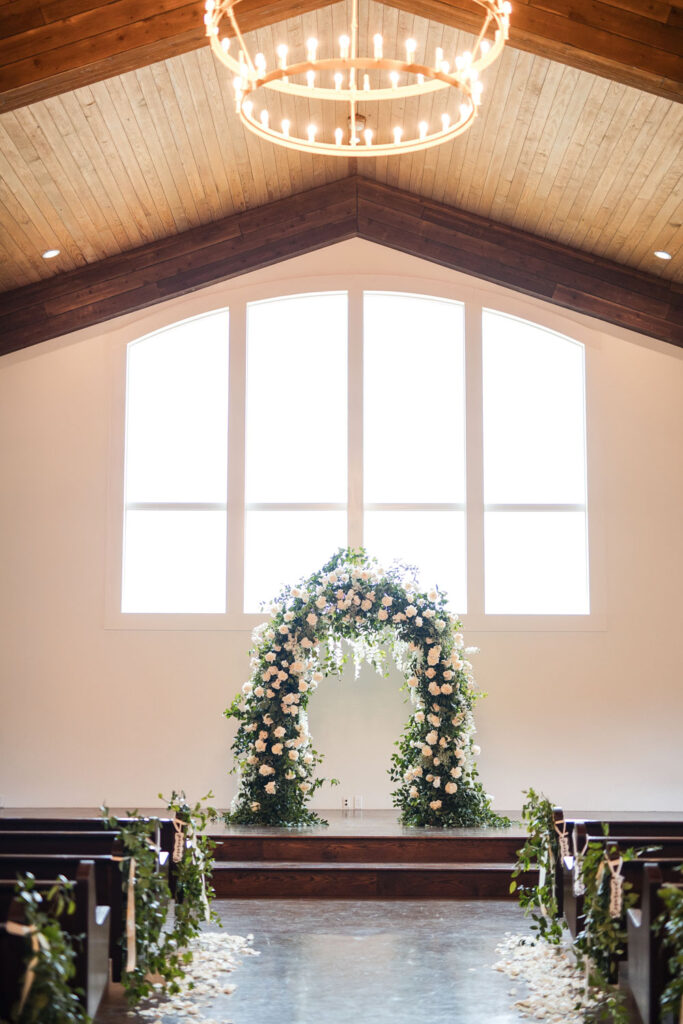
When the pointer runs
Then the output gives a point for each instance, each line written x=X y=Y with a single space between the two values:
x=474 y=446
x=355 y=418
x=236 y=457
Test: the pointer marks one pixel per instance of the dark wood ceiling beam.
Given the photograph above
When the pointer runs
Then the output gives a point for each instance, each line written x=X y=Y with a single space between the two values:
x=52 y=46
x=352 y=207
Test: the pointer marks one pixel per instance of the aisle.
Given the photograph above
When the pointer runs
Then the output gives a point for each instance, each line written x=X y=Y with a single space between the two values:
x=366 y=962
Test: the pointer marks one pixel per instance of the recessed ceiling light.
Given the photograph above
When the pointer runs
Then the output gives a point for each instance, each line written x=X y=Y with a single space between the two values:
x=50 y=254
x=661 y=255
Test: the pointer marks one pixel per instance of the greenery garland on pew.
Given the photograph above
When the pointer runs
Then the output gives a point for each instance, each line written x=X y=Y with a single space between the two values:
x=671 y=925
x=541 y=850
x=51 y=998
x=161 y=950
x=351 y=599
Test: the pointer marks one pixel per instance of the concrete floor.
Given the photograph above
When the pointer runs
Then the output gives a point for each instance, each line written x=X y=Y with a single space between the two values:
x=365 y=962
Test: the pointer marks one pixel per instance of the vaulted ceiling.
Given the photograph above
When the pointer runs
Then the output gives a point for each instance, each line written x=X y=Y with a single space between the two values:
x=579 y=140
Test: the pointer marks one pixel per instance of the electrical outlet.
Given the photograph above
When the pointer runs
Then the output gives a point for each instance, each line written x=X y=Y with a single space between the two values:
x=346 y=803
x=358 y=803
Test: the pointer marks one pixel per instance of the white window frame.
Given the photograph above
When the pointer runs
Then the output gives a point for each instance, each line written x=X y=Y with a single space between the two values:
x=437 y=283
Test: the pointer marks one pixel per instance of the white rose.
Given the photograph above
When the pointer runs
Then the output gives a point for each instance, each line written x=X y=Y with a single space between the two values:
x=431 y=737
x=451 y=787
x=252 y=760
x=276 y=748
x=460 y=754
x=446 y=688
x=296 y=668
x=419 y=716
x=255 y=805
x=306 y=642
x=288 y=616
x=289 y=775
x=382 y=615
x=294 y=755
x=303 y=686
x=476 y=750
x=443 y=741
x=426 y=751
x=435 y=805
x=280 y=731
x=308 y=758
x=434 y=688
x=260 y=745
x=271 y=787
x=387 y=601
x=311 y=618
x=434 y=720
x=304 y=786
x=275 y=685
x=270 y=656
x=259 y=691
x=411 y=611
x=266 y=769
x=247 y=688
x=418 y=621
x=318 y=677
x=413 y=792
x=430 y=673
x=433 y=655
x=448 y=674
x=321 y=602
x=366 y=605
x=437 y=782
x=432 y=595
x=412 y=681
x=456 y=772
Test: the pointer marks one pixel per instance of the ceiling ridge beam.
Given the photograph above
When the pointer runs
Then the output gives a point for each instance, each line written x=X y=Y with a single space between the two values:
x=350 y=207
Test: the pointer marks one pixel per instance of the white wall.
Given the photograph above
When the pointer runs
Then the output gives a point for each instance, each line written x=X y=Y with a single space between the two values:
x=90 y=713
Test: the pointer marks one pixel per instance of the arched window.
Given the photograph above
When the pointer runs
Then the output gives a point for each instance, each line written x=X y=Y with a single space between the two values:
x=357 y=418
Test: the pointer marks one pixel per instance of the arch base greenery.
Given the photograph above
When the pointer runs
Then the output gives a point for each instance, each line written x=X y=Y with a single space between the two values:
x=350 y=602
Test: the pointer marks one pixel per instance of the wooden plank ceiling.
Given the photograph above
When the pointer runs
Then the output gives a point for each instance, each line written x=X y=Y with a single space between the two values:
x=567 y=155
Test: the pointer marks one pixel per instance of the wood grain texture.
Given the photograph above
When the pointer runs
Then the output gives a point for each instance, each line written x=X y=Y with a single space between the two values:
x=151 y=153
x=48 y=47
x=330 y=213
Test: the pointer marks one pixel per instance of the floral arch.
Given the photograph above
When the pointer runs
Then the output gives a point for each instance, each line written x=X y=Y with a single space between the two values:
x=351 y=599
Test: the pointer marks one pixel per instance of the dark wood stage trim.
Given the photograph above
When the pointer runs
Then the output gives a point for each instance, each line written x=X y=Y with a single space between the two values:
x=361 y=855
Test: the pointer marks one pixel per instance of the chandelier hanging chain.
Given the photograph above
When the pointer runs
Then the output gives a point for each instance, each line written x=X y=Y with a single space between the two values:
x=366 y=82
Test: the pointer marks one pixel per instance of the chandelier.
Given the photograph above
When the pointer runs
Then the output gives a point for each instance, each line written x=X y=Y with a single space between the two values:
x=344 y=85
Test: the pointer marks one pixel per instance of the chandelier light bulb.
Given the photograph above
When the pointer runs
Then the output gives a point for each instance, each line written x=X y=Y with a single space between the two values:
x=355 y=71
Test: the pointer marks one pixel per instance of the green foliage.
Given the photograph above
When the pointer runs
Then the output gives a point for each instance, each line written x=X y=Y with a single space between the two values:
x=52 y=999
x=602 y=941
x=671 y=925
x=541 y=850
x=161 y=945
x=351 y=600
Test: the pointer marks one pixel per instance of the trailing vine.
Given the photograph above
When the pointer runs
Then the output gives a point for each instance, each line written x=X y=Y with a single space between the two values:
x=51 y=998
x=161 y=944
x=541 y=851
x=351 y=600
x=671 y=925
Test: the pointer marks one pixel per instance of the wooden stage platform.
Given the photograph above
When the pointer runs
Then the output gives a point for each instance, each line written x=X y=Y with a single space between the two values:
x=359 y=855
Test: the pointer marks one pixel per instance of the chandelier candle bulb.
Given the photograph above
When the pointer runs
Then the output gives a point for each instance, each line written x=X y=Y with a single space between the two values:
x=358 y=69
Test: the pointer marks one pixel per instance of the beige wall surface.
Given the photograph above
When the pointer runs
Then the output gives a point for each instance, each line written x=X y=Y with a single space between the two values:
x=89 y=713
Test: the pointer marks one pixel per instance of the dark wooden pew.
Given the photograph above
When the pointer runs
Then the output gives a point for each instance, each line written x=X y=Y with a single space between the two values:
x=648 y=973
x=164 y=833
x=76 y=843
x=90 y=920
x=108 y=887
x=640 y=828
x=669 y=847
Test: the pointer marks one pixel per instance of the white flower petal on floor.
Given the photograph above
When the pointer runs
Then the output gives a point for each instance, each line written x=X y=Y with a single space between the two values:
x=215 y=955
x=556 y=986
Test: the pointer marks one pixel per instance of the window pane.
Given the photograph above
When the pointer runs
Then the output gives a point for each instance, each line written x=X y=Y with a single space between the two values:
x=414 y=395
x=174 y=562
x=534 y=433
x=177 y=413
x=296 y=399
x=281 y=547
x=536 y=563
x=434 y=542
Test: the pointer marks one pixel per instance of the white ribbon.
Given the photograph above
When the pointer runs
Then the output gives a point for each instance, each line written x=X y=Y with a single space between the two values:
x=179 y=842
x=199 y=860
x=563 y=839
x=616 y=883
x=38 y=942
x=578 y=882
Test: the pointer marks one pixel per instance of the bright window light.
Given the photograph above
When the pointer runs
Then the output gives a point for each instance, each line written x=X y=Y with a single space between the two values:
x=176 y=456
x=536 y=556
